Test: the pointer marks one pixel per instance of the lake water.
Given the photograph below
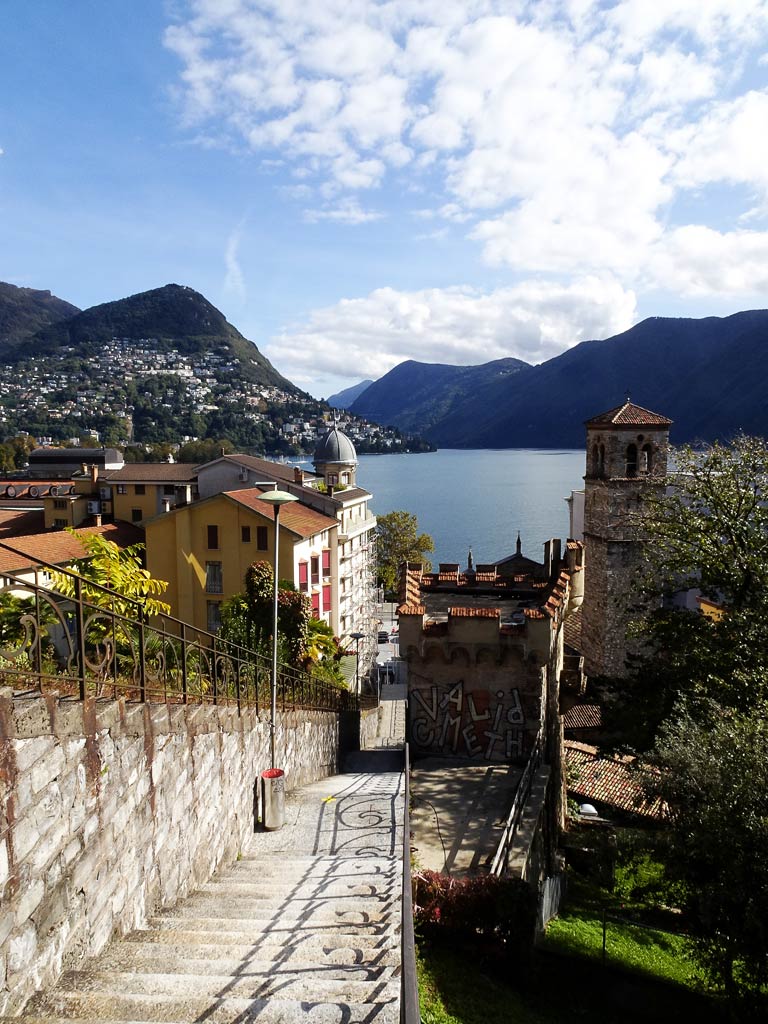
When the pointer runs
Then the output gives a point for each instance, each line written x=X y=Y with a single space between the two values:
x=478 y=499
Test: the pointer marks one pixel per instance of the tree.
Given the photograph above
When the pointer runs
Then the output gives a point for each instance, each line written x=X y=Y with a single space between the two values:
x=714 y=780
x=129 y=586
x=247 y=619
x=398 y=541
x=709 y=535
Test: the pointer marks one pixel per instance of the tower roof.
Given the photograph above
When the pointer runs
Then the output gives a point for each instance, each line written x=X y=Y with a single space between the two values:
x=629 y=415
x=335 y=447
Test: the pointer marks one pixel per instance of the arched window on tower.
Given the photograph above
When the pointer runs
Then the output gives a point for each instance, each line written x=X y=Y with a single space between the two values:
x=631 y=460
x=646 y=458
x=601 y=461
x=595 y=460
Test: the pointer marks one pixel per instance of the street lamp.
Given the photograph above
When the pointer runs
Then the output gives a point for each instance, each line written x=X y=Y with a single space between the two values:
x=357 y=637
x=276 y=499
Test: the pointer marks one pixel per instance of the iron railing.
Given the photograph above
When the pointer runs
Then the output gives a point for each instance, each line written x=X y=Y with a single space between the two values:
x=90 y=642
x=523 y=791
x=409 y=986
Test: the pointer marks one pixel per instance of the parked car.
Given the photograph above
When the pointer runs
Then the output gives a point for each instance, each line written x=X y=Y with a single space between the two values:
x=383 y=636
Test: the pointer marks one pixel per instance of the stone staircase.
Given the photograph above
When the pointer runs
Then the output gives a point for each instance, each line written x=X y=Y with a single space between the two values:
x=305 y=926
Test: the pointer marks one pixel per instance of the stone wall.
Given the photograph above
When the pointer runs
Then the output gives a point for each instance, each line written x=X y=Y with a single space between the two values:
x=108 y=810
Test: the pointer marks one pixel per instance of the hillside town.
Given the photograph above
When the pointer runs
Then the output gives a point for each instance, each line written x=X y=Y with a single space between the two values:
x=163 y=394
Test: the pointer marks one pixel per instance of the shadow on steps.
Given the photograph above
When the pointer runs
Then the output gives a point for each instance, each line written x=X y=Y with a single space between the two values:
x=374 y=761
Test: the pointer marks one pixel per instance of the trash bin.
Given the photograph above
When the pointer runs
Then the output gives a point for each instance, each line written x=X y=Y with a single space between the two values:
x=273 y=798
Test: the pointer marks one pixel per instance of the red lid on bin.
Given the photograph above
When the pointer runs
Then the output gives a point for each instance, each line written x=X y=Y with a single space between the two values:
x=272 y=773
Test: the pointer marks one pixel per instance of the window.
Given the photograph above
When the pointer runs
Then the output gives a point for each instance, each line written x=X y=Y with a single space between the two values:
x=139 y=489
x=327 y=598
x=326 y=562
x=214 y=616
x=245 y=534
x=59 y=503
x=213 y=578
x=646 y=458
x=304 y=576
x=333 y=479
x=631 y=460
x=122 y=488
x=315 y=570
x=316 y=606
x=136 y=515
x=213 y=537
x=60 y=524
x=262 y=538
x=169 y=490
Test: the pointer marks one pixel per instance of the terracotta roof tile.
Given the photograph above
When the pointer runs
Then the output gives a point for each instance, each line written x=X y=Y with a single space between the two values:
x=607 y=780
x=583 y=716
x=294 y=516
x=152 y=472
x=628 y=415
x=57 y=547
x=474 y=613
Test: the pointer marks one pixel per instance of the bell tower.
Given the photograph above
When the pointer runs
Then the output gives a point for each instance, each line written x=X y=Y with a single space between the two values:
x=626 y=460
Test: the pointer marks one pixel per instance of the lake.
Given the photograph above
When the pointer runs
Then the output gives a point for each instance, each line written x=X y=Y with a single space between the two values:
x=478 y=499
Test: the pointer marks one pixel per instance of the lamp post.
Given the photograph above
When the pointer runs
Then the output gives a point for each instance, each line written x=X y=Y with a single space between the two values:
x=276 y=499
x=357 y=637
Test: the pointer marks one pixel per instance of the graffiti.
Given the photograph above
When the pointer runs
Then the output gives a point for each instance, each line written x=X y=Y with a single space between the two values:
x=481 y=725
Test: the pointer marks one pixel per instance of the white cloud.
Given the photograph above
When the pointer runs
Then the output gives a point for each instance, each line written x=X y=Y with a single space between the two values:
x=696 y=260
x=533 y=320
x=234 y=282
x=347 y=211
x=572 y=133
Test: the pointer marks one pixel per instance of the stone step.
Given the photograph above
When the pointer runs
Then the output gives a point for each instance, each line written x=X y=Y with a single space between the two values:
x=294 y=964
x=167 y=986
x=250 y=930
x=336 y=949
x=97 y=1008
x=302 y=889
x=351 y=909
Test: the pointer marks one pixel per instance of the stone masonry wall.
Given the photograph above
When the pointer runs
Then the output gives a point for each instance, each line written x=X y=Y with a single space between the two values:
x=108 y=810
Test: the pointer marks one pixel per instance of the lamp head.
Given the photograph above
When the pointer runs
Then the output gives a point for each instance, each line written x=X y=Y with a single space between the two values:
x=277 y=498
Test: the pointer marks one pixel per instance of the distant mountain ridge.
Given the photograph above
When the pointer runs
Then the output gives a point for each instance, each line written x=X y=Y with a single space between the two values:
x=344 y=399
x=419 y=397
x=709 y=376
x=174 y=316
x=25 y=311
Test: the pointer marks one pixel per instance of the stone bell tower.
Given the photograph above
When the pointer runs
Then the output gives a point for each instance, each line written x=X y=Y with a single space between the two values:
x=626 y=459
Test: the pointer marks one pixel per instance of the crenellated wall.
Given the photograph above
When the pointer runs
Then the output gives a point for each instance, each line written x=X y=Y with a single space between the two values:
x=108 y=810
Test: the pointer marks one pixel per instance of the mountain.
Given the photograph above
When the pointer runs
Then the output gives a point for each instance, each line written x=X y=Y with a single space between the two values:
x=24 y=311
x=420 y=397
x=344 y=399
x=707 y=375
x=175 y=317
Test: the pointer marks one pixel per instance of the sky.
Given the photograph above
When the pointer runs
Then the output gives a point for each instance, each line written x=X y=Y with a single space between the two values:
x=356 y=183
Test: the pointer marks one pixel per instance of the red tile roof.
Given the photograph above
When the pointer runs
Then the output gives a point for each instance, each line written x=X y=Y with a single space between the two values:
x=59 y=546
x=412 y=609
x=294 y=516
x=608 y=780
x=583 y=716
x=628 y=415
x=475 y=613
x=152 y=472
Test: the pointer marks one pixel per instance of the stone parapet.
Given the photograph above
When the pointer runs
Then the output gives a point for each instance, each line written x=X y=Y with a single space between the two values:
x=110 y=809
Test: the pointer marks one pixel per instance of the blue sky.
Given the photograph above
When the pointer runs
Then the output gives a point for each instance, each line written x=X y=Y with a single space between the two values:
x=356 y=183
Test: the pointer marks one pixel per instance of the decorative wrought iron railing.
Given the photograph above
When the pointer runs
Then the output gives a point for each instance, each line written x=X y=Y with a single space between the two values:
x=93 y=643
x=409 y=985
x=522 y=793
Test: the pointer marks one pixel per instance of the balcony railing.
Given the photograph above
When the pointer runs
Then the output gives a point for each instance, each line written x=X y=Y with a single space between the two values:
x=94 y=643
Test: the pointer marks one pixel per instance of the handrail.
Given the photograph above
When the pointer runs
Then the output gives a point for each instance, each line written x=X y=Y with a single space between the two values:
x=78 y=646
x=409 y=986
x=523 y=791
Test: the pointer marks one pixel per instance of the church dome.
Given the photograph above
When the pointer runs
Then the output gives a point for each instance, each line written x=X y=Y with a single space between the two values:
x=335 y=447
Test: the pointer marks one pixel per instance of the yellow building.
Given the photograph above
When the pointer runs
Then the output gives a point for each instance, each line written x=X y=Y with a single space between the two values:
x=204 y=550
x=142 y=490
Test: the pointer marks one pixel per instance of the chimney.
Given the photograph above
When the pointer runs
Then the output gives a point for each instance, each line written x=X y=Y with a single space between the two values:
x=94 y=474
x=97 y=519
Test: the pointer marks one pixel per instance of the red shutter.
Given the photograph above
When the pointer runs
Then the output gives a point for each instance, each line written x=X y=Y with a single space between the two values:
x=326 y=562
x=326 y=598
x=303 y=576
x=316 y=605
